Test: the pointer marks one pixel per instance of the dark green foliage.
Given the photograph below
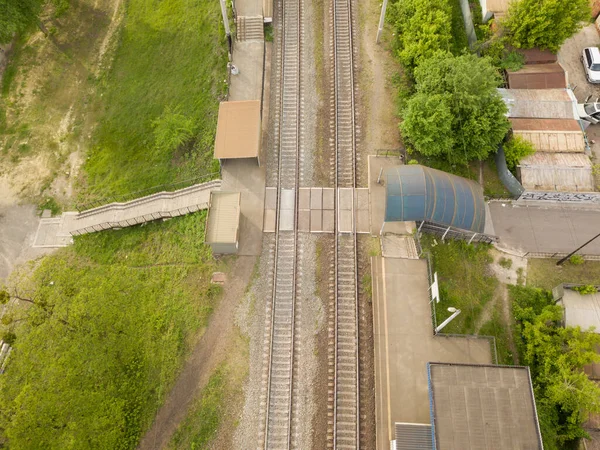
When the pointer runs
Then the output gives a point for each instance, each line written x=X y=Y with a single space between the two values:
x=556 y=356
x=456 y=113
x=109 y=327
x=545 y=24
x=16 y=16
x=576 y=260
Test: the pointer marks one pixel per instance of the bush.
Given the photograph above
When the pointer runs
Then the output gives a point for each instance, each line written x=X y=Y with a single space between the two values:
x=515 y=150
x=576 y=260
x=586 y=289
x=505 y=262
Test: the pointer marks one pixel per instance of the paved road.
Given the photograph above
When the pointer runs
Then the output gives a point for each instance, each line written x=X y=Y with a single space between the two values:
x=545 y=229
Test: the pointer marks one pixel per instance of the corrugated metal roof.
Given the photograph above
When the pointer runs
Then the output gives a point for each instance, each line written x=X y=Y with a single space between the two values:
x=545 y=124
x=540 y=103
x=480 y=407
x=415 y=192
x=223 y=217
x=537 y=56
x=581 y=310
x=413 y=436
x=556 y=159
x=238 y=130
x=538 y=76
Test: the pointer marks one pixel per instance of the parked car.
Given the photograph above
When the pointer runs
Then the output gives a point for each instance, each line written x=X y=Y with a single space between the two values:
x=589 y=112
x=591 y=64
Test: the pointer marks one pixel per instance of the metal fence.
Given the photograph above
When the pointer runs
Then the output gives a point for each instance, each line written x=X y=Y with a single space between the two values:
x=558 y=255
x=124 y=198
x=455 y=233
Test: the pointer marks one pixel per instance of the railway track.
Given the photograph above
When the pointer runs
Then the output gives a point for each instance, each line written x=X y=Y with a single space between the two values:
x=344 y=399
x=279 y=393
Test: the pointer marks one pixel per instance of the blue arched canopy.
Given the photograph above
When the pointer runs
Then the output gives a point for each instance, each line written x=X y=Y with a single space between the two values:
x=416 y=193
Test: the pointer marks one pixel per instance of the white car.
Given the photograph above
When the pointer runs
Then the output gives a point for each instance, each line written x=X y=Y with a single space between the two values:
x=591 y=64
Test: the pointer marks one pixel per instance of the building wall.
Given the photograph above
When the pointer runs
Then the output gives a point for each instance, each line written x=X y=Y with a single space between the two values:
x=565 y=179
x=221 y=248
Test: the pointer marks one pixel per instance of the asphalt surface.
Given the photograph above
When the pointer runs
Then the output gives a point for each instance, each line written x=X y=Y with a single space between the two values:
x=548 y=229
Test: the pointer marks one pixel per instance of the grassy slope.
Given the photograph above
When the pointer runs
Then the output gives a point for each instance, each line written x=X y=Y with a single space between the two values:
x=545 y=274
x=132 y=299
x=172 y=54
x=464 y=281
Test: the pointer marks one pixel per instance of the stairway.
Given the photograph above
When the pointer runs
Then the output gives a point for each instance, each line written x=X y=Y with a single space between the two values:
x=250 y=28
x=58 y=231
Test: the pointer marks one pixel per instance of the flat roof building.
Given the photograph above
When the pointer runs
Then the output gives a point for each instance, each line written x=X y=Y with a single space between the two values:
x=565 y=172
x=540 y=103
x=223 y=222
x=238 y=130
x=482 y=407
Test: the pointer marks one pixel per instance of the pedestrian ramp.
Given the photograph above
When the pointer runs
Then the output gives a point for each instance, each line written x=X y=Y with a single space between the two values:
x=59 y=231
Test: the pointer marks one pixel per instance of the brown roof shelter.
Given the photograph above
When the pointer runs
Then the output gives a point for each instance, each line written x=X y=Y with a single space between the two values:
x=537 y=56
x=538 y=76
x=238 y=130
x=550 y=135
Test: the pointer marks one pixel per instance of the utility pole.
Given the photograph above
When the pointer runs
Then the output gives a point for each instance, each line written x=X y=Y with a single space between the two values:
x=559 y=263
x=381 y=20
x=226 y=25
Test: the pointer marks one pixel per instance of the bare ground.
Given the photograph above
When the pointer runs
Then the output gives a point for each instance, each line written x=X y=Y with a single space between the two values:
x=47 y=108
x=211 y=350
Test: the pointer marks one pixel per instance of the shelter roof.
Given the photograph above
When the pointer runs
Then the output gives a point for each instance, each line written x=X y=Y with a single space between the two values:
x=238 y=130
x=526 y=124
x=540 y=103
x=538 y=76
x=581 y=310
x=412 y=436
x=547 y=159
x=415 y=193
x=482 y=407
x=223 y=220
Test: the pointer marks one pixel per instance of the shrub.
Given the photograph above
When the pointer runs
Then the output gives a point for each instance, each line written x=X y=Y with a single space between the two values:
x=505 y=262
x=516 y=149
x=586 y=289
x=576 y=260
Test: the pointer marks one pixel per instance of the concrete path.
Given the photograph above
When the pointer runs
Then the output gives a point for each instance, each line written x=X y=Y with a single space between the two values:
x=404 y=344
x=58 y=232
x=550 y=229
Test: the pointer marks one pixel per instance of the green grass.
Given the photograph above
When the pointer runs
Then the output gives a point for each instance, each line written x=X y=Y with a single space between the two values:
x=545 y=274
x=123 y=307
x=172 y=57
x=465 y=282
x=497 y=328
x=202 y=422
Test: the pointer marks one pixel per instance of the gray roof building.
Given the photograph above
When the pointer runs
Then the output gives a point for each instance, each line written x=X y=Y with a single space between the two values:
x=482 y=407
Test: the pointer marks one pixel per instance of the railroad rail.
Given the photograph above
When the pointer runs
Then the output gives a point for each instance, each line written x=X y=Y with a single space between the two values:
x=345 y=396
x=277 y=431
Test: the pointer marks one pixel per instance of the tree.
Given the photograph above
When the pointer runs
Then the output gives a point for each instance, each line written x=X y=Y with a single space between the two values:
x=16 y=15
x=457 y=113
x=545 y=23
x=423 y=27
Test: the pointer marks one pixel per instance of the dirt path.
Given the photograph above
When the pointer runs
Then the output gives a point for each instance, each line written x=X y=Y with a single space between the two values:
x=208 y=353
x=378 y=113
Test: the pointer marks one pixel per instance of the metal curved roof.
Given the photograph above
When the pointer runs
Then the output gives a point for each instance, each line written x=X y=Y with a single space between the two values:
x=416 y=193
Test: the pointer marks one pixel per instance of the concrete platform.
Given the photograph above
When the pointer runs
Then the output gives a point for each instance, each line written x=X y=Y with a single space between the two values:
x=353 y=203
x=246 y=177
x=248 y=57
x=404 y=344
